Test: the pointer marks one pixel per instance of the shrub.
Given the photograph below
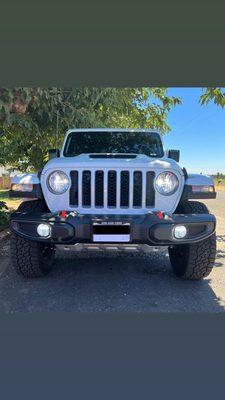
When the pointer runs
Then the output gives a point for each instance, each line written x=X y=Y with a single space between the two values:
x=4 y=216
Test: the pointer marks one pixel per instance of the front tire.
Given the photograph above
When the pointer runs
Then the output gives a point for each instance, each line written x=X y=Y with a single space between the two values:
x=31 y=259
x=193 y=261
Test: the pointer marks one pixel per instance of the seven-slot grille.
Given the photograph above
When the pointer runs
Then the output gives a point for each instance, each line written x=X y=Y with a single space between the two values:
x=112 y=189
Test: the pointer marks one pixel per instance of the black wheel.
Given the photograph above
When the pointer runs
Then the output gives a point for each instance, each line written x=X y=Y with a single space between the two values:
x=193 y=261
x=28 y=258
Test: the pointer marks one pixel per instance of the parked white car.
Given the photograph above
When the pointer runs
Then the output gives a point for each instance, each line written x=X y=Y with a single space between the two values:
x=113 y=187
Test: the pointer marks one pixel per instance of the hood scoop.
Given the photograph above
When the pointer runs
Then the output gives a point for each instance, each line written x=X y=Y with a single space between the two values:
x=113 y=155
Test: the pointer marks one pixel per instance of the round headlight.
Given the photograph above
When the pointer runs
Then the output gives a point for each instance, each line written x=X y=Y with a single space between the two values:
x=166 y=183
x=58 y=182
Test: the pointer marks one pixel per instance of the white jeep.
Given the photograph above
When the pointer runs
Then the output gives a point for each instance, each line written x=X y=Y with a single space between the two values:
x=113 y=188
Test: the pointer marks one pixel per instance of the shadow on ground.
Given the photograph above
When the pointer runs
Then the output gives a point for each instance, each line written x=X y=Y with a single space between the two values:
x=104 y=283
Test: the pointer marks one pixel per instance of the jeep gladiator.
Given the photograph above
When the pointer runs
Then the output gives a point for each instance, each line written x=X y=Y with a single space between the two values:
x=113 y=189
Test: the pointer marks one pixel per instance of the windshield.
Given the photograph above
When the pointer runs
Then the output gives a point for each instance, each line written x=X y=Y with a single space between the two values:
x=148 y=143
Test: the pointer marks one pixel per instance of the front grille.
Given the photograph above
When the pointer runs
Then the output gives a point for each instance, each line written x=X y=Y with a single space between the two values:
x=112 y=189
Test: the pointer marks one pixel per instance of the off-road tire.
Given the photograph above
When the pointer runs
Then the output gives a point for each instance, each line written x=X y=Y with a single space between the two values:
x=193 y=261
x=31 y=259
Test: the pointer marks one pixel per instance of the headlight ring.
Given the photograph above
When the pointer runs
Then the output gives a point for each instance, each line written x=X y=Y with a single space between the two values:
x=166 y=183
x=58 y=182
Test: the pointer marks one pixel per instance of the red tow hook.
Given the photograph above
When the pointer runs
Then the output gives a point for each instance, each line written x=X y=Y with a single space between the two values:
x=63 y=214
x=160 y=215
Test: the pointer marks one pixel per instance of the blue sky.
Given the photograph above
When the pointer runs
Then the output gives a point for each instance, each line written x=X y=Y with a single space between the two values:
x=198 y=132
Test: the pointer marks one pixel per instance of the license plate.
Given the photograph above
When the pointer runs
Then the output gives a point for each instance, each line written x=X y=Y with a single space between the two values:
x=114 y=232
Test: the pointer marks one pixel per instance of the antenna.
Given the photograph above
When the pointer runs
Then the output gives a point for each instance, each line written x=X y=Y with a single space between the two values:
x=57 y=130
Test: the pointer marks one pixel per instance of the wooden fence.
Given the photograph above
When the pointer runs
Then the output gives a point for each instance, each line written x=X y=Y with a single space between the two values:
x=5 y=182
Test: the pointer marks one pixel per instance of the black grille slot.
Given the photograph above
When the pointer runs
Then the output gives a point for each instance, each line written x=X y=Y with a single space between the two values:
x=137 y=191
x=99 y=188
x=74 y=188
x=111 y=188
x=86 y=188
x=150 y=191
x=124 y=188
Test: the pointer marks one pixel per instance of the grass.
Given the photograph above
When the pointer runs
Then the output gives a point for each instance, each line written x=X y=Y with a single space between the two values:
x=221 y=185
x=12 y=204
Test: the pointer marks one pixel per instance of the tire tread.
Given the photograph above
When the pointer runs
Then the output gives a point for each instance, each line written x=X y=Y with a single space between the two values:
x=194 y=261
x=25 y=254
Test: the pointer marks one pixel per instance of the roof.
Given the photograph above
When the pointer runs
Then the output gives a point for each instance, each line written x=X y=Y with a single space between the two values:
x=111 y=130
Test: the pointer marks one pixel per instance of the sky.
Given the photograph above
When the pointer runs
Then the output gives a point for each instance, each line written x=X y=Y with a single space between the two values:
x=198 y=132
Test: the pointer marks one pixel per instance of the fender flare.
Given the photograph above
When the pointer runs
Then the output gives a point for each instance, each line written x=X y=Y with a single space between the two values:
x=26 y=179
x=194 y=187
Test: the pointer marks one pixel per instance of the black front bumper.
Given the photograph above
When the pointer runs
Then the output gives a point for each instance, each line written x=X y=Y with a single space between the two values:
x=149 y=228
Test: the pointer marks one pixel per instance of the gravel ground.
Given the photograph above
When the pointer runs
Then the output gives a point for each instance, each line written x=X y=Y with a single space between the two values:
x=110 y=282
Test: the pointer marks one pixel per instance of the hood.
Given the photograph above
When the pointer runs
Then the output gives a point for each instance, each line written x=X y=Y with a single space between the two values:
x=126 y=161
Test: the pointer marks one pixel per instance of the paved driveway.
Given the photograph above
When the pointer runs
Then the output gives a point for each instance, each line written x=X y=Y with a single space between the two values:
x=126 y=283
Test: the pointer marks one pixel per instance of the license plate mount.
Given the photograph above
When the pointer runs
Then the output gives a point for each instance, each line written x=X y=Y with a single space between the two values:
x=111 y=232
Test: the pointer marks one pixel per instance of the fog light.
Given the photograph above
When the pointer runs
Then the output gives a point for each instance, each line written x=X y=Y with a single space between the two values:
x=43 y=230
x=180 y=231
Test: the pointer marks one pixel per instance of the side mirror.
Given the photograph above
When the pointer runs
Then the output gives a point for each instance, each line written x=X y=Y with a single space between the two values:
x=174 y=154
x=53 y=153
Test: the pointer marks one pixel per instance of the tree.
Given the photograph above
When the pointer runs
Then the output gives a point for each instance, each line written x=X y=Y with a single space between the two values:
x=28 y=117
x=217 y=95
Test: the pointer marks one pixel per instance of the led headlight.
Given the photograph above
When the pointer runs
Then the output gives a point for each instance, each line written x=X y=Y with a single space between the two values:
x=180 y=231
x=58 y=182
x=43 y=230
x=166 y=183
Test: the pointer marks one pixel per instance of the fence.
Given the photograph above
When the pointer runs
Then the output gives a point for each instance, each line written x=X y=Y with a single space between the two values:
x=5 y=182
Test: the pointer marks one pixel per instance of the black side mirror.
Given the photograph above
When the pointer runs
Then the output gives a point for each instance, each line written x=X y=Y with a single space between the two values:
x=174 y=154
x=53 y=153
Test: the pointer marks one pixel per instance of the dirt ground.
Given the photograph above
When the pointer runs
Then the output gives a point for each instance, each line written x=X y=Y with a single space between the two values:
x=111 y=282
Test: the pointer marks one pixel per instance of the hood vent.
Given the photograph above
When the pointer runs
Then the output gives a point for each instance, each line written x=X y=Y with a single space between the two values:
x=113 y=155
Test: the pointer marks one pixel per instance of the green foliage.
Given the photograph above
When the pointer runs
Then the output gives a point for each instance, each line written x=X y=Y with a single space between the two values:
x=217 y=95
x=3 y=214
x=219 y=175
x=28 y=117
